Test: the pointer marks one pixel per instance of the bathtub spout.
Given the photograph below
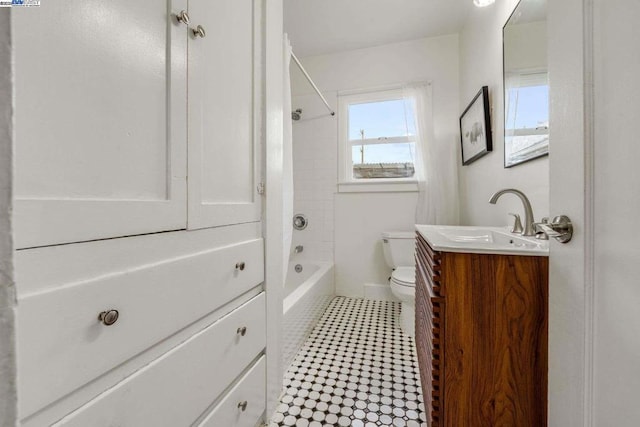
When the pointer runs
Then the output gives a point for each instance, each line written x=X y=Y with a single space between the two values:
x=298 y=249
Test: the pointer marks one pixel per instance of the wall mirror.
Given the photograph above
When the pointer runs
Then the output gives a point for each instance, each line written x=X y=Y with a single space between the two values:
x=526 y=84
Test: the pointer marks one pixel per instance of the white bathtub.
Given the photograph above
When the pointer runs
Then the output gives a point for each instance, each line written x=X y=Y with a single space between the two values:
x=306 y=296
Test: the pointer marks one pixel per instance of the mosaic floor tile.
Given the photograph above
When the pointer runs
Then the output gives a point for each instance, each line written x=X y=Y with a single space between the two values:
x=357 y=368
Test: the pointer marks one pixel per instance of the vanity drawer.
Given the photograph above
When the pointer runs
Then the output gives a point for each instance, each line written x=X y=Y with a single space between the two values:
x=433 y=257
x=430 y=327
x=250 y=390
x=176 y=388
x=62 y=344
x=428 y=263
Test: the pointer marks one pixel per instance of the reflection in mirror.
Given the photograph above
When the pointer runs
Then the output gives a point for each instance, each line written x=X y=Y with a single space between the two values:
x=526 y=85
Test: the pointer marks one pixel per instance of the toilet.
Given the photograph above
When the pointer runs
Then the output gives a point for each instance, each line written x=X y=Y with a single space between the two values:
x=399 y=248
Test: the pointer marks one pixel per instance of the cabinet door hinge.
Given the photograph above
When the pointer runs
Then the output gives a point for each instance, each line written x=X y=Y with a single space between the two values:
x=261 y=188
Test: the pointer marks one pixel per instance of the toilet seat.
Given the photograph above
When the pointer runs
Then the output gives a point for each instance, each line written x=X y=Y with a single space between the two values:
x=404 y=276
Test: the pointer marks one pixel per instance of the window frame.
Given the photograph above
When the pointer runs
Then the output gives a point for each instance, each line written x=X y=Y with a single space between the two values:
x=346 y=182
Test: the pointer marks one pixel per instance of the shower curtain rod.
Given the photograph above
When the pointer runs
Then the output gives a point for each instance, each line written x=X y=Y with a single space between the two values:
x=297 y=61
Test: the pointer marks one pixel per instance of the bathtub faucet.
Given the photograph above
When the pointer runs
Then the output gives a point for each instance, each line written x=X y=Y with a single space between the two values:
x=298 y=249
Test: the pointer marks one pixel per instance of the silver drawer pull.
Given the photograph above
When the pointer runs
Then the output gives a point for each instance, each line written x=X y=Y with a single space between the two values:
x=108 y=317
x=240 y=265
x=243 y=405
x=242 y=331
x=199 y=31
x=183 y=17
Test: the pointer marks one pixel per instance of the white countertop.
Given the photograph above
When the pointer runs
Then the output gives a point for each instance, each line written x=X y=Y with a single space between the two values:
x=481 y=240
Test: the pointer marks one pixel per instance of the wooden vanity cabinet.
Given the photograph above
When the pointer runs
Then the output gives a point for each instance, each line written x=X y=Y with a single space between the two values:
x=481 y=337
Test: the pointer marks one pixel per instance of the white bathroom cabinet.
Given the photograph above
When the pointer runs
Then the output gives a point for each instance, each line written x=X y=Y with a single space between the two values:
x=110 y=98
x=100 y=120
x=224 y=113
x=199 y=368
x=151 y=306
x=138 y=153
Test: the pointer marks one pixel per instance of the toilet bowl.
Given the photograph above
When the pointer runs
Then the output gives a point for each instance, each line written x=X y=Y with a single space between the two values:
x=403 y=287
x=398 y=248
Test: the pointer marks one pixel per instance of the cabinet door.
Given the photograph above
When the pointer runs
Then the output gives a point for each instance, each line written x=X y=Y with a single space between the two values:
x=100 y=120
x=224 y=76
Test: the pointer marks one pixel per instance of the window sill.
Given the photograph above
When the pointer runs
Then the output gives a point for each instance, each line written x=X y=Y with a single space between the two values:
x=378 y=187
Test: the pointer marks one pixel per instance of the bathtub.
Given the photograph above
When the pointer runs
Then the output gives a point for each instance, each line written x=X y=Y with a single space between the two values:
x=306 y=296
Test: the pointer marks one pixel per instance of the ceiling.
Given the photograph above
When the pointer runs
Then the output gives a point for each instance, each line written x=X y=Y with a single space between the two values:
x=529 y=11
x=326 y=26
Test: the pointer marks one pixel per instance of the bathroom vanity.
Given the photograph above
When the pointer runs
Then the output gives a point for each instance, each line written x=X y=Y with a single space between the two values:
x=481 y=326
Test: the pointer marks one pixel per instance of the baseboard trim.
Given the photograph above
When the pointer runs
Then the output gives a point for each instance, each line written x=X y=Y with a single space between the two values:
x=379 y=292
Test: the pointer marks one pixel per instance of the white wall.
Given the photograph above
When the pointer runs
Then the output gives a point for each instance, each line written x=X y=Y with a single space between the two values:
x=8 y=411
x=481 y=65
x=359 y=219
x=315 y=167
x=525 y=46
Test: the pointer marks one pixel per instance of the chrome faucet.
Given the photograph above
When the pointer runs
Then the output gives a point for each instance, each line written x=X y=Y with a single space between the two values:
x=298 y=249
x=528 y=212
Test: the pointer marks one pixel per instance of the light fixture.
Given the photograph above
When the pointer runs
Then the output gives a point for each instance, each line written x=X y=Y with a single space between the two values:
x=483 y=3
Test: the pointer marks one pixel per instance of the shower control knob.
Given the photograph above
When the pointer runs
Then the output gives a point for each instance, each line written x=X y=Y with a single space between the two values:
x=183 y=17
x=243 y=405
x=240 y=265
x=300 y=222
x=108 y=317
x=242 y=331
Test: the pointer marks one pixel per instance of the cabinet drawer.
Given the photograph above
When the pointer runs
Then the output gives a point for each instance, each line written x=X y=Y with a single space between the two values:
x=176 y=388
x=62 y=344
x=433 y=257
x=428 y=263
x=252 y=390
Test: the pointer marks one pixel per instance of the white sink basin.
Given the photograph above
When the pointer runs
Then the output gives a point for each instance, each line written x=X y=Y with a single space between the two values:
x=481 y=240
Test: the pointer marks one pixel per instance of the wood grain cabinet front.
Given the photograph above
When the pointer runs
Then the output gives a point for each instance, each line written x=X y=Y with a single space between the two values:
x=481 y=337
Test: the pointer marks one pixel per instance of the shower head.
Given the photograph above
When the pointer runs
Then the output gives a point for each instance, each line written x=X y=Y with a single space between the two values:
x=295 y=115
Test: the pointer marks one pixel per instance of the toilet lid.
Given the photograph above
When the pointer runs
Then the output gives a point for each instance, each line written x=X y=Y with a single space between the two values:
x=405 y=276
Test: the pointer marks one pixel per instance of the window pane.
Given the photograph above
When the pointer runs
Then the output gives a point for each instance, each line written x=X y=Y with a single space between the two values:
x=381 y=119
x=528 y=107
x=383 y=160
x=527 y=117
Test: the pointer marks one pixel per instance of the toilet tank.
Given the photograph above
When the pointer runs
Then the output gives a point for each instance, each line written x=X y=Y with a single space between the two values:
x=399 y=248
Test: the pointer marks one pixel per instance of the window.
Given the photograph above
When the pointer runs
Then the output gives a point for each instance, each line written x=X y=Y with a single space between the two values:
x=377 y=142
x=526 y=116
